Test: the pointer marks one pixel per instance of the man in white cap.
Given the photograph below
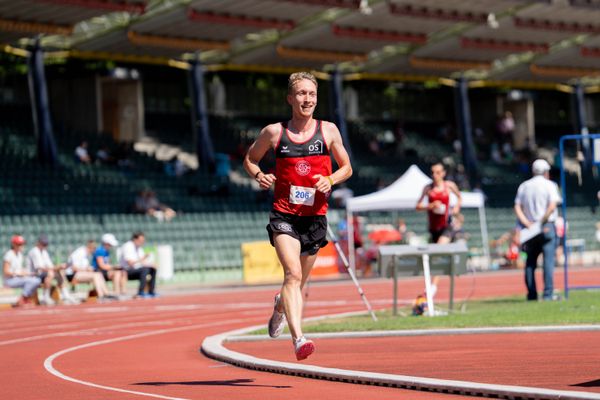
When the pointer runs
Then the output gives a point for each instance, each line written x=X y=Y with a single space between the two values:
x=536 y=203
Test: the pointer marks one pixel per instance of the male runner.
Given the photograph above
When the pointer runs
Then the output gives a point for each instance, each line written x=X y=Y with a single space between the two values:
x=438 y=205
x=303 y=179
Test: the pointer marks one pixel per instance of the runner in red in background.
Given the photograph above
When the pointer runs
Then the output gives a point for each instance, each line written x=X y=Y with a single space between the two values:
x=438 y=204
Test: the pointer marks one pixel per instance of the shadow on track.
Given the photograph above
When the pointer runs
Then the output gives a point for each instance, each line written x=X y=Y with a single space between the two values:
x=595 y=383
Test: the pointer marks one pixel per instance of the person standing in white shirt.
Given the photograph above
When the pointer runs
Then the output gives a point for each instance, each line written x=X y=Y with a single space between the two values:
x=137 y=264
x=536 y=203
x=16 y=275
x=39 y=262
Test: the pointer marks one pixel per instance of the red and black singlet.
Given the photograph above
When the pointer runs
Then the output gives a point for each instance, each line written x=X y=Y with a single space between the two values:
x=438 y=217
x=295 y=165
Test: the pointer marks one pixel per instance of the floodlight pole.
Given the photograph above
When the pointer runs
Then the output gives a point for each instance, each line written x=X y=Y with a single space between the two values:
x=200 y=126
x=337 y=107
x=40 y=105
x=463 y=117
x=581 y=123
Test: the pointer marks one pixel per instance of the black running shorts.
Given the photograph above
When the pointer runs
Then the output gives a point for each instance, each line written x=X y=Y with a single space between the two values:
x=311 y=231
x=436 y=235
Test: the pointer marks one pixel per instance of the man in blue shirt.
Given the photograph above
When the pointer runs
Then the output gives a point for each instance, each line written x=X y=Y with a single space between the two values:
x=101 y=262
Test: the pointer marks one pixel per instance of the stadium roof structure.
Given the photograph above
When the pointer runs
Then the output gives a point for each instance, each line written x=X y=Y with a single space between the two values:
x=527 y=42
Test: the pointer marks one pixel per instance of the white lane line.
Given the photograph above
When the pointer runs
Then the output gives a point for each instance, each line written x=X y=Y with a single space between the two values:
x=141 y=313
x=257 y=309
x=49 y=362
x=82 y=332
x=426 y=332
x=95 y=330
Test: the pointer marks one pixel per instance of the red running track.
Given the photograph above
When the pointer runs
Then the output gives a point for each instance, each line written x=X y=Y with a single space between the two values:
x=150 y=348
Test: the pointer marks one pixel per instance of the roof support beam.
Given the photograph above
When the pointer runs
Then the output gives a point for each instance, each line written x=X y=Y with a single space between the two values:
x=437 y=13
x=378 y=34
x=9 y=25
x=241 y=20
x=136 y=7
x=562 y=72
x=319 y=55
x=436 y=63
x=559 y=26
x=330 y=3
x=175 y=43
x=501 y=45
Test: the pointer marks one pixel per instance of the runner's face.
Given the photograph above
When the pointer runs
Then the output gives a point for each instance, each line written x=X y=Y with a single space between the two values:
x=303 y=98
x=438 y=173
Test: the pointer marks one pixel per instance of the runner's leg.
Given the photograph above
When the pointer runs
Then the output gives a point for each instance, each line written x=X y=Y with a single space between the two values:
x=288 y=251
x=307 y=262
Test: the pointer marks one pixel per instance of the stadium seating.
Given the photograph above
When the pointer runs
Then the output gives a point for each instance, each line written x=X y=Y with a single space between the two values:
x=74 y=202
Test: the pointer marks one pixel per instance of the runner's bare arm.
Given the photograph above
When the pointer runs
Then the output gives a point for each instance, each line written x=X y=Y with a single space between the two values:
x=454 y=189
x=265 y=141
x=336 y=146
x=420 y=204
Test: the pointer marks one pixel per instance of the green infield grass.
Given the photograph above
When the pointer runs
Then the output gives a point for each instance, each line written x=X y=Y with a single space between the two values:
x=583 y=307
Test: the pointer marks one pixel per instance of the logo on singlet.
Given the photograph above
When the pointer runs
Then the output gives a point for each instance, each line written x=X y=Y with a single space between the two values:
x=284 y=149
x=302 y=168
x=316 y=147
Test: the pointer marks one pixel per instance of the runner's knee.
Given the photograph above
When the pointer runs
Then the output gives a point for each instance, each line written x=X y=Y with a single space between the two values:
x=293 y=276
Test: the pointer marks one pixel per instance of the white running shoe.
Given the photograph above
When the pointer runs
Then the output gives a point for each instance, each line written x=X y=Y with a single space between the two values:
x=303 y=348
x=47 y=301
x=277 y=321
x=70 y=300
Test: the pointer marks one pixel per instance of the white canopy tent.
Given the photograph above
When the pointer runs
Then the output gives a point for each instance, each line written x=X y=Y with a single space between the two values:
x=404 y=194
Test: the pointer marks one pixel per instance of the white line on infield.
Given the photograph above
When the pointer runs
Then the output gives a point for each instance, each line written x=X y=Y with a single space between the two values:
x=213 y=347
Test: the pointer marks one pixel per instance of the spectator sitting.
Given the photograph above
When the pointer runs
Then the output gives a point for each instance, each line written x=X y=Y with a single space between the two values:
x=147 y=203
x=39 y=262
x=176 y=167
x=80 y=270
x=103 y=156
x=16 y=276
x=458 y=233
x=138 y=264
x=101 y=263
x=511 y=253
x=81 y=153
x=123 y=156
x=405 y=234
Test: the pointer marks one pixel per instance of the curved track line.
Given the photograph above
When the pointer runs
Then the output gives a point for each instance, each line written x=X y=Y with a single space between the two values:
x=48 y=363
x=212 y=346
x=102 y=328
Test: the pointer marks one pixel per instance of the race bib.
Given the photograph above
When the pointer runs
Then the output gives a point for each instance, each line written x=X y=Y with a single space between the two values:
x=302 y=195
x=440 y=210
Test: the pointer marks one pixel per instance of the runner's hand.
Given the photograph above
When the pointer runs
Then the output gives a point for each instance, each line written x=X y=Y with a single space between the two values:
x=323 y=184
x=266 y=180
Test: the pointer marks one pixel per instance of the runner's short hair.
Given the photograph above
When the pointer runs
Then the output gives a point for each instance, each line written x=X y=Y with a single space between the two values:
x=298 y=76
x=438 y=162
